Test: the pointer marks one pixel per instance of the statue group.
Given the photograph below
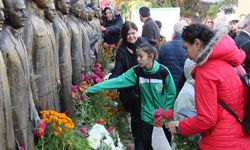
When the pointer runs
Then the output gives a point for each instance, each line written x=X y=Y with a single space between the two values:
x=45 y=46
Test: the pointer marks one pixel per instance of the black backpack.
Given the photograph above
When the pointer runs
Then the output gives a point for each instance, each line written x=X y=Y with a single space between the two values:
x=246 y=119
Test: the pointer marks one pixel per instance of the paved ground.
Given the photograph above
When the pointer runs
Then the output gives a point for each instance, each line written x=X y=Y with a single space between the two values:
x=159 y=140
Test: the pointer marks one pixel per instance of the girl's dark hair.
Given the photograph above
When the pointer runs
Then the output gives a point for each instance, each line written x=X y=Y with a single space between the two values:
x=148 y=48
x=197 y=31
x=125 y=28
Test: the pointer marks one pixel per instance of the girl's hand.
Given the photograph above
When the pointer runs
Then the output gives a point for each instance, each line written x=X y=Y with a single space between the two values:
x=172 y=126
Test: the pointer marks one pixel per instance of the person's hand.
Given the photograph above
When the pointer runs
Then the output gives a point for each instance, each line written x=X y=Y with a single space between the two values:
x=103 y=28
x=35 y=119
x=171 y=126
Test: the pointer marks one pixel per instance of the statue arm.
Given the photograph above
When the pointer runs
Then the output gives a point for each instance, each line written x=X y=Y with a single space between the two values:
x=86 y=51
x=28 y=41
x=56 y=52
x=34 y=117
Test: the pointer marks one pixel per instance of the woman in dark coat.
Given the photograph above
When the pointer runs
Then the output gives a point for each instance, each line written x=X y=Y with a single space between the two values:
x=125 y=59
x=111 y=26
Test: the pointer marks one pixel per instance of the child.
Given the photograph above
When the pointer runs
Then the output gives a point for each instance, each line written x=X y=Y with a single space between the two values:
x=151 y=94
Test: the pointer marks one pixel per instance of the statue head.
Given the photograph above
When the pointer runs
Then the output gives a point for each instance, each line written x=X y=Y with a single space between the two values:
x=76 y=7
x=50 y=10
x=84 y=13
x=15 y=15
x=91 y=13
x=63 y=6
x=41 y=3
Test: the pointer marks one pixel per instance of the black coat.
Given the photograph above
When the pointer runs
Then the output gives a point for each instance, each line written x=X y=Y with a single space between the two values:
x=151 y=32
x=124 y=59
x=243 y=42
x=113 y=27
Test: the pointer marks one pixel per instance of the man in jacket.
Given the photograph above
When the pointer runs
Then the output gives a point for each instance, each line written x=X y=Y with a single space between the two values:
x=150 y=30
x=172 y=54
x=243 y=41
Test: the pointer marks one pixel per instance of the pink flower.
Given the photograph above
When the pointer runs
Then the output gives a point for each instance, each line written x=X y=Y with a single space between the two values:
x=98 y=65
x=84 y=131
x=73 y=94
x=42 y=124
x=39 y=132
x=97 y=80
x=21 y=148
x=110 y=129
x=168 y=114
x=73 y=88
x=158 y=117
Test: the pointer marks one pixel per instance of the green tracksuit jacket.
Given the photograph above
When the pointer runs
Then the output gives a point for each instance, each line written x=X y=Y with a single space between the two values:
x=151 y=97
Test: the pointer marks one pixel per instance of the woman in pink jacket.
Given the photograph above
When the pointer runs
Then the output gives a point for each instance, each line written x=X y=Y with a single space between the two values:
x=215 y=78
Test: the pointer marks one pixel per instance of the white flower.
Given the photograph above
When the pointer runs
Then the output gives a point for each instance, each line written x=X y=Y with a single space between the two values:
x=95 y=133
x=94 y=142
x=108 y=141
x=101 y=129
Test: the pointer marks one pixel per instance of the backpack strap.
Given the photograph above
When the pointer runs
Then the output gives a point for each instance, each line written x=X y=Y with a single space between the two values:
x=163 y=73
x=225 y=106
x=229 y=110
x=138 y=71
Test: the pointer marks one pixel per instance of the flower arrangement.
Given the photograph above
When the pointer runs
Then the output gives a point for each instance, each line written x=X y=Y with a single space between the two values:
x=162 y=117
x=100 y=138
x=59 y=133
x=59 y=123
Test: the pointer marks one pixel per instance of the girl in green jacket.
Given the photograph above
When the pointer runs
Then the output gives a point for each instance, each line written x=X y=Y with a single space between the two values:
x=153 y=93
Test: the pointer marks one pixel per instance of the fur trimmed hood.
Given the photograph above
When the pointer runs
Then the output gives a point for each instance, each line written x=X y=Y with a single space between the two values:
x=221 y=47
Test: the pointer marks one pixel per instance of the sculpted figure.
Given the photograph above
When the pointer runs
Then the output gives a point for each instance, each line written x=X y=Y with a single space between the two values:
x=76 y=46
x=40 y=54
x=50 y=13
x=63 y=47
x=87 y=53
x=15 y=57
x=76 y=9
x=7 y=140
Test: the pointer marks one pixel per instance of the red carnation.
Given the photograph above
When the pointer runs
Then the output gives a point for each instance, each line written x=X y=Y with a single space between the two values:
x=168 y=114
x=39 y=132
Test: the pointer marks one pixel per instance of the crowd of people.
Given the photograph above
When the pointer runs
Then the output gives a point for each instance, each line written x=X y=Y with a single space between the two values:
x=199 y=64
x=60 y=41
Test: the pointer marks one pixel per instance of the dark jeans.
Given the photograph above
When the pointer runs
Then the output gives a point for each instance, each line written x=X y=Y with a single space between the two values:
x=147 y=130
x=135 y=110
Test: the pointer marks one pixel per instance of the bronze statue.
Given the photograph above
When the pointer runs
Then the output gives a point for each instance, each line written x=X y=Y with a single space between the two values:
x=40 y=55
x=56 y=83
x=87 y=53
x=7 y=141
x=15 y=57
x=76 y=10
x=76 y=47
x=63 y=42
